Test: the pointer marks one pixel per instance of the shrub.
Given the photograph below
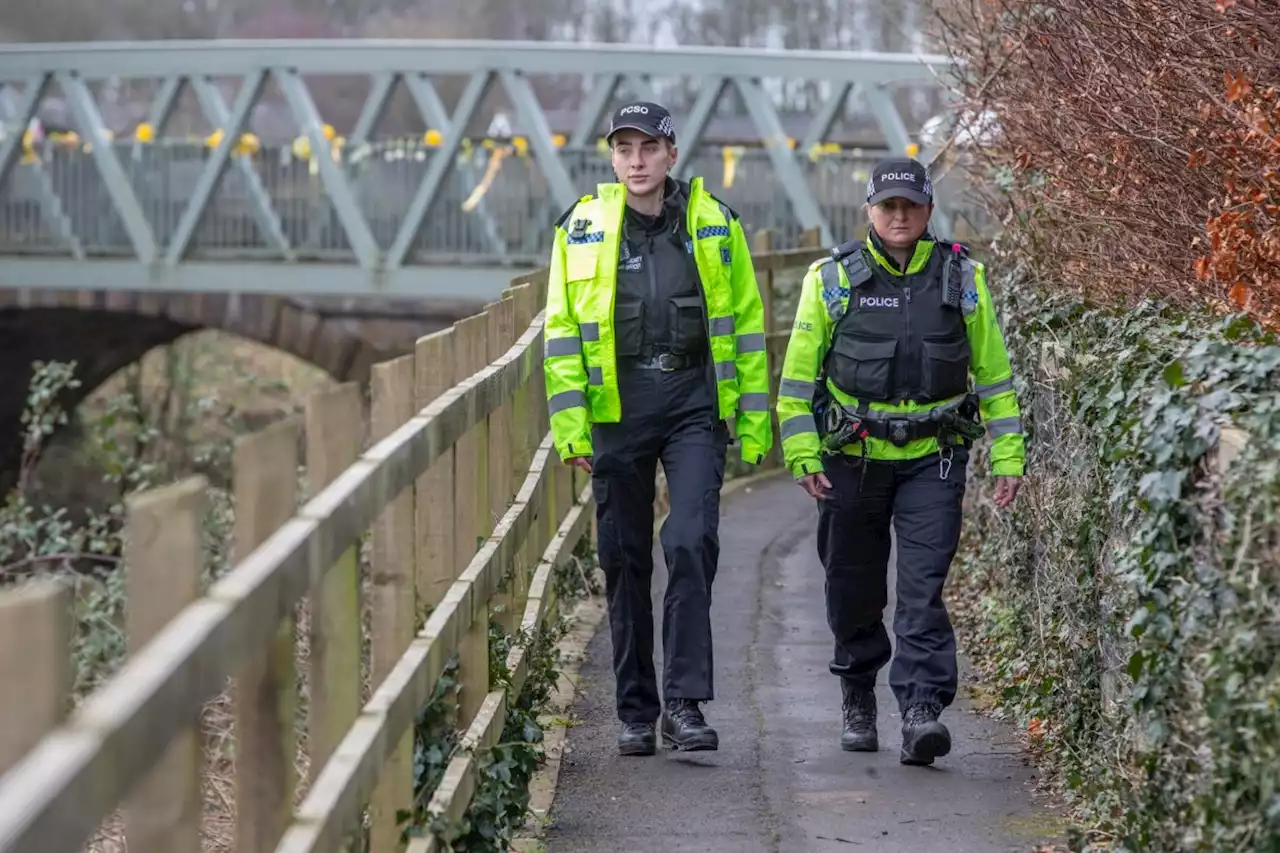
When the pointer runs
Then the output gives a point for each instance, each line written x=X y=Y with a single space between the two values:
x=1139 y=142
x=1127 y=607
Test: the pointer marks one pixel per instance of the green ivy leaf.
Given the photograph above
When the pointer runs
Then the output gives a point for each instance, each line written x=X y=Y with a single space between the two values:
x=1173 y=374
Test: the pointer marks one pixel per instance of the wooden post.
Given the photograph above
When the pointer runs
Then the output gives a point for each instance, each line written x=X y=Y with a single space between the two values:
x=762 y=243
x=502 y=454
x=265 y=476
x=471 y=490
x=434 y=372
x=35 y=665
x=527 y=428
x=335 y=432
x=164 y=561
x=394 y=608
x=466 y=453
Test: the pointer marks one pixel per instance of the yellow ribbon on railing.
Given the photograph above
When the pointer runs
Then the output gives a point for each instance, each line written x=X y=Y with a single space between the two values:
x=823 y=149
x=29 y=155
x=491 y=172
x=246 y=146
x=732 y=154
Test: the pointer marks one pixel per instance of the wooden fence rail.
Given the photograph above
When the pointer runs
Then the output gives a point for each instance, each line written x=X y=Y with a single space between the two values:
x=467 y=511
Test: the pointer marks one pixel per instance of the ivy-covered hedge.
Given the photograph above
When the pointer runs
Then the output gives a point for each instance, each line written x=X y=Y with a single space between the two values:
x=1126 y=610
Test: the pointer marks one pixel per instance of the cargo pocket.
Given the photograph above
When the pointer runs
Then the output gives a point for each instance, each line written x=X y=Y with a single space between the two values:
x=628 y=328
x=608 y=547
x=685 y=319
x=946 y=367
x=863 y=367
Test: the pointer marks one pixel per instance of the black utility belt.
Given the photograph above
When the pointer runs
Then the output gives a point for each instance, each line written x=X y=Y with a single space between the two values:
x=899 y=430
x=950 y=423
x=666 y=361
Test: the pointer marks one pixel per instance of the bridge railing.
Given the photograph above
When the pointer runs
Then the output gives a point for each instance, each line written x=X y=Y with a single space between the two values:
x=490 y=207
x=467 y=510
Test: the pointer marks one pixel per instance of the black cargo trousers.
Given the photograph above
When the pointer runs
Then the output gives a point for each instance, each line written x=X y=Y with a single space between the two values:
x=924 y=510
x=672 y=417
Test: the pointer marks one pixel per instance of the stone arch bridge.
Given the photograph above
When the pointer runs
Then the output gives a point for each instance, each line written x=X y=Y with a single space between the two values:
x=106 y=331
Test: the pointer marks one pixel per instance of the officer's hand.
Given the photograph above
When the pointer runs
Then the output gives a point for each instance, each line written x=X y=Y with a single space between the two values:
x=1006 y=490
x=816 y=485
x=580 y=462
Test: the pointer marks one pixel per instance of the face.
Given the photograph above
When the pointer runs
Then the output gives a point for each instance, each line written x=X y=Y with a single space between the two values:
x=899 y=222
x=641 y=162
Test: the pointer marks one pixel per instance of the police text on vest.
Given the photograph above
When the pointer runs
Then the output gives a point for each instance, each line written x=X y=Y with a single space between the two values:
x=878 y=301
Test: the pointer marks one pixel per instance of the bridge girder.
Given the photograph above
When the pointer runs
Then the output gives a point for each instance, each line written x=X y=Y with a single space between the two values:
x=163 y=261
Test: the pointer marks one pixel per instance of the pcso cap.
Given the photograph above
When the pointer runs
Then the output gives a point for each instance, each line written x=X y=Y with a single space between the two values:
x=900 y=178
x=649 y=118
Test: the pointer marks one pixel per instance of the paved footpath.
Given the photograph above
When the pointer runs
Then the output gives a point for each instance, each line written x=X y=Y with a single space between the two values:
x=780 y=783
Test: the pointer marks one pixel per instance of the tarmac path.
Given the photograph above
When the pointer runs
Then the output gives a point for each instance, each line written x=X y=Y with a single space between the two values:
x=780 y=782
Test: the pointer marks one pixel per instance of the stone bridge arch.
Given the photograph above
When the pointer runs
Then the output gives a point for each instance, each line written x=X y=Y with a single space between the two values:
x=105 y=331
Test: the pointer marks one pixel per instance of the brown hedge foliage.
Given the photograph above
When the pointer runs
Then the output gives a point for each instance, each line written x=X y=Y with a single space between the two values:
x=1140 y=140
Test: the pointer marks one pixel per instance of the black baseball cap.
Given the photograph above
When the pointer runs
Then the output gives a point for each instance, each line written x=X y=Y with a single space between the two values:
x=645 y=116
x=900 y=178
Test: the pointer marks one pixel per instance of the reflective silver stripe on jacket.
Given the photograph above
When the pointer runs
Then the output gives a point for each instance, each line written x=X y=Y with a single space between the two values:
x=1004 y=426
x=985 y=391
x=798 y=425
x=566 y=400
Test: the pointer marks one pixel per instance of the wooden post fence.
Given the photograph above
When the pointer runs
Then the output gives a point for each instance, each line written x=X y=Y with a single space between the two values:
x=453 y=478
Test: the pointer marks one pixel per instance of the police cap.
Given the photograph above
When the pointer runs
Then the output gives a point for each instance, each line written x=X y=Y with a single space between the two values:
x=900 y=178
x=649 y=118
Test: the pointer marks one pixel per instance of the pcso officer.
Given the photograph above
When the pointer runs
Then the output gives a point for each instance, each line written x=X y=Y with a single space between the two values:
x=876 y=416
x=654 y=340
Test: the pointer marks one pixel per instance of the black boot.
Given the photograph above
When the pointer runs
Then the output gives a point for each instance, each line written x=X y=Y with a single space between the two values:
x=859 y=711
x=923 y=737
x=637 y=739
x=684 y=727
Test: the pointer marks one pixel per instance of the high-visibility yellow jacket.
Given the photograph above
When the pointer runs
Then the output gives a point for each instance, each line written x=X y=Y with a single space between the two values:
x=815 y=321
x=581 y=367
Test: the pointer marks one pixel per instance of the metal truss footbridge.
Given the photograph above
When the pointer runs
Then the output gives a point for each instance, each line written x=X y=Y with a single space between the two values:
x=408 y=168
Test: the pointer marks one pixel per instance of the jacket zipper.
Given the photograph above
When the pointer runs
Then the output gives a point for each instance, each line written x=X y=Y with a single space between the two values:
x=692 y=231
x=910 y=341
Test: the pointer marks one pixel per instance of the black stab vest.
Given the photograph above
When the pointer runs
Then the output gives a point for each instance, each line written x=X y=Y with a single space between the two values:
x=898 y=339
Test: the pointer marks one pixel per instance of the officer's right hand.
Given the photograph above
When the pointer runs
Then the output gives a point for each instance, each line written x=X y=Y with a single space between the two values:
x=580 y=462
x=816 y=485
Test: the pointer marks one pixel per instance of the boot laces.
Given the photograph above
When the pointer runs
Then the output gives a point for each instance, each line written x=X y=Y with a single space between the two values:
x=922 y=714
x=686 y=712
x=858 y=705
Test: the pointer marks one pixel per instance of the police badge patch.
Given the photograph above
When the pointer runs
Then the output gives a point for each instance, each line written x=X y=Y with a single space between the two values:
x=833 y=294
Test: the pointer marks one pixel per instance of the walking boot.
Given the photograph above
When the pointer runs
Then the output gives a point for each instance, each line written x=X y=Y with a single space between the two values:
x=859 y=712
x=923 y=737
x=637 y=739
x=684 y=727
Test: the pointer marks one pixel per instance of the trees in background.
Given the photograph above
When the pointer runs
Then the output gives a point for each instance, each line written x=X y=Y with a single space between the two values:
x=1140 y=142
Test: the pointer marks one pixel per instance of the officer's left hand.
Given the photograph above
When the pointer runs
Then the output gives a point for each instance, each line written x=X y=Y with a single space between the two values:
x=817 y=486
x=1006 y=490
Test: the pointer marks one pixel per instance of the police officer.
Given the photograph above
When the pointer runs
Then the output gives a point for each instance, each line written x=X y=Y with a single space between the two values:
x=876 y=415
x=654 y=340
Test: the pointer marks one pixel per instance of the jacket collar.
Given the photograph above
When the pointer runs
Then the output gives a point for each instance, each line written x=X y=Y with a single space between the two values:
x=919 y=256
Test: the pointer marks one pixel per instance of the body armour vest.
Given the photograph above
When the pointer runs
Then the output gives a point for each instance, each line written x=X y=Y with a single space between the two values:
x=658 y=306
x=900 y=338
